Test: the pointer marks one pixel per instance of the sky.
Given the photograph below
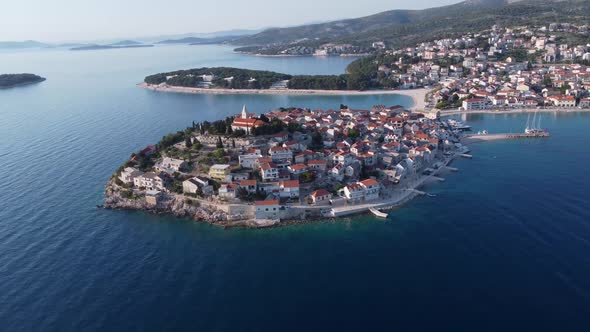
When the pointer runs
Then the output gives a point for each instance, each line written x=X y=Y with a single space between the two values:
x=78 y=20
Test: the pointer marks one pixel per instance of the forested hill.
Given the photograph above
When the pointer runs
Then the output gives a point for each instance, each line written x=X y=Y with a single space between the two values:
x=397 y=27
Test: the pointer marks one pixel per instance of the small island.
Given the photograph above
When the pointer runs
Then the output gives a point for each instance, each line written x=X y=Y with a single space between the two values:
x=14 y=80
x=117 y=45
x=358 y=77
x=288 y=166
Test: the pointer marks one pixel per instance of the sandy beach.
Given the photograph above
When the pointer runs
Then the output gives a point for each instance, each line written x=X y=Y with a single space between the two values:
x=417 y=95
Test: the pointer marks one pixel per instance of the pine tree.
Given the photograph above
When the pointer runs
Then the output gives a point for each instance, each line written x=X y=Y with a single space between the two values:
x=219 y=143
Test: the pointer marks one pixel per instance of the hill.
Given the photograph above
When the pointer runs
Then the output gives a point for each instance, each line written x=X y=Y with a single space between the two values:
x=199 y=40
x=401 y=27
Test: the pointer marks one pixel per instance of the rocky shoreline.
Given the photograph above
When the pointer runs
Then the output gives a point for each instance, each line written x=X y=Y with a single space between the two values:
x=177 y=207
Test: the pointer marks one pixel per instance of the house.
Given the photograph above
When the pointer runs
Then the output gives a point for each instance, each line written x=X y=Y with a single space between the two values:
x=269 y=172
x=149 y=150
x=267 y=209
x=289 y=189
x=321 y=196
x=371 y=188
x=197 y=184
x=228 y=191
x=474 y=104
x=128 y=174
x=563 y=101
x=317 y=165
x=219 y=171
x=297 y=169
x=278 y=153
x=585 y=103
x=248 y=160
x=249 y=185
x=149 y=181
x=354 y=193
x=170 y=165
x=237 y=177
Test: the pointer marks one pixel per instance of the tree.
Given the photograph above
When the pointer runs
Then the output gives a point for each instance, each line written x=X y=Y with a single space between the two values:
x=188 y=142
x=353 y=133
x=233 y=143
x=219 y=143
x=264 y=118
x=547 y=81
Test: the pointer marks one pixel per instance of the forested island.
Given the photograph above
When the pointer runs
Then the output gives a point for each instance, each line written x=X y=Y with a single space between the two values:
x=12 y=80
x=361 y=75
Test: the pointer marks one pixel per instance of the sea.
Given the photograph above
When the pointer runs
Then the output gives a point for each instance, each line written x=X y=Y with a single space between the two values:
x=501 y=245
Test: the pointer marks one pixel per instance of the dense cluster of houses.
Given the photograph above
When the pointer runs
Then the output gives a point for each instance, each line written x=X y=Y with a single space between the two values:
x=340 y=156
x=524 y=67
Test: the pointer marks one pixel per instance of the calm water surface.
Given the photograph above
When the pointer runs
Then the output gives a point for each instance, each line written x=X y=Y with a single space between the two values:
x=503 y=246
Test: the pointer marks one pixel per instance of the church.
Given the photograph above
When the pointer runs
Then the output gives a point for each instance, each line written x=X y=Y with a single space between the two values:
x=246 y=121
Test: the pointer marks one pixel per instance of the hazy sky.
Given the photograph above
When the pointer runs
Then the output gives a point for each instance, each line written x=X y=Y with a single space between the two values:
x=67 y=20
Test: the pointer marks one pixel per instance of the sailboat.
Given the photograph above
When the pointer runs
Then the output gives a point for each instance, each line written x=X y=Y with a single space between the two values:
x=533 y=127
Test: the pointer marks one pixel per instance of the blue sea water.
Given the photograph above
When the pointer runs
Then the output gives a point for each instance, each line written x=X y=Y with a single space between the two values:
x=503 y=246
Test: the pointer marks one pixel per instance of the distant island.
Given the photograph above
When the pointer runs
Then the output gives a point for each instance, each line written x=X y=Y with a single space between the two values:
x=117 y=45
x=13 y=80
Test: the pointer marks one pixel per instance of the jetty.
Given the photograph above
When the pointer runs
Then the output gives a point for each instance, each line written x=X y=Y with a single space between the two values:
x=541 y=134
x=378 y=213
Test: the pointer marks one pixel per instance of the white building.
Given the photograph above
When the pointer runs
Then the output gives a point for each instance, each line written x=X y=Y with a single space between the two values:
x=196 y=184
x=371 y=188
x=149 y=181
x=474 y=104
x=170 y=165
x=289 y=189
x=128 y=174
x=248 y=160
x=269 y=172
x=280 y=153
x=267 y=209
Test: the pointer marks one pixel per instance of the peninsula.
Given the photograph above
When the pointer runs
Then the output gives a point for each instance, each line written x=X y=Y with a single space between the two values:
x=288 y=165
x=14 y=80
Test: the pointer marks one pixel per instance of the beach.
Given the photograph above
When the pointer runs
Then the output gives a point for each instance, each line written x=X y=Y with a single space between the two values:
x=417 y=95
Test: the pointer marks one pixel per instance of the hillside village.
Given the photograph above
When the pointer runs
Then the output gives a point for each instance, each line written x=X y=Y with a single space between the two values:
x=292 y=161
x=499 y=69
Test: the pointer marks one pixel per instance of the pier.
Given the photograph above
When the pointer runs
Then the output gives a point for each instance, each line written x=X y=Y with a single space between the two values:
x=378 y=213
x=542 y=134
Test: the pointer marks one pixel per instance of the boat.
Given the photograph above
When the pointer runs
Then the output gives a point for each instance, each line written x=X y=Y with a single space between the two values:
x=483 y=132
x=431 y=195
x=534 y=127
x=458 y=125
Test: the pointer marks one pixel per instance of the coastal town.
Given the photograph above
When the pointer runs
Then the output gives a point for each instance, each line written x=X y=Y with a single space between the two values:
x=296 y=164
x=288 y=164
x=500 y=69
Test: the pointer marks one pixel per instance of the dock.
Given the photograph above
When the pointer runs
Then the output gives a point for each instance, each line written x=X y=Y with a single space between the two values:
x=452 y=169
x=465 y=155
x=531 y=135
x=378 y=213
